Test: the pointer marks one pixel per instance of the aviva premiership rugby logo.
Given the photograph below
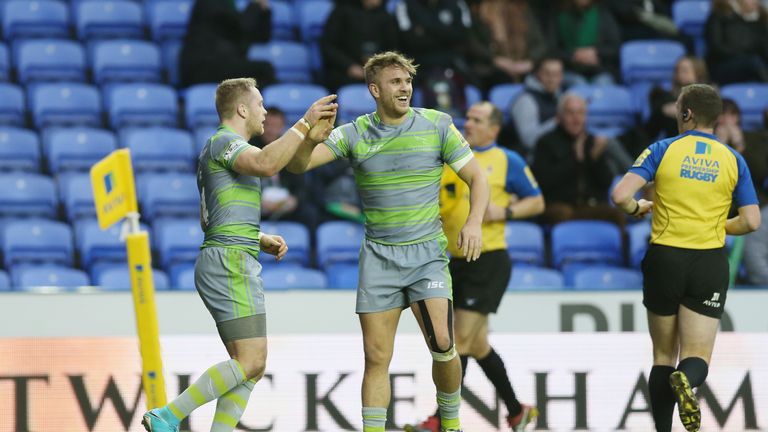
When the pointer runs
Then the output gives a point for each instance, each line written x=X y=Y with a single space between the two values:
x=700 y=167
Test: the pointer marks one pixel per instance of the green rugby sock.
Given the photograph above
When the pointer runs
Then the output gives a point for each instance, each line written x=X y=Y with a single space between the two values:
x=231 y=406
x=216 y=381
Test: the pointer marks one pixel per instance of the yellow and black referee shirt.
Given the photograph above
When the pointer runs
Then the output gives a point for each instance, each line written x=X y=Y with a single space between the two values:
x=697 y=179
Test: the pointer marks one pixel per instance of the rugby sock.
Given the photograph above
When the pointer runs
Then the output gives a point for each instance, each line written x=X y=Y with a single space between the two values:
x=662 y=398
x=464 y=362
x=374 y=419
x=216 y=381
x=448 y=404
x=695 y=369
x=493 y=367
x=230 y=407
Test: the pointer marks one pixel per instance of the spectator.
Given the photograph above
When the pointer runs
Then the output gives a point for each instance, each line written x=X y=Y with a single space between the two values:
x=737 y=41
x=644 y=19
x=217 y=41
x=663 y=120
x=588 y=39
x=572 y=168
x=335 y=193
x=354 y=31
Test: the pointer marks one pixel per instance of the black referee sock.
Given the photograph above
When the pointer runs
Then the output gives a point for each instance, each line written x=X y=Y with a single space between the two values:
x=695 y=369
x=494 y=369
x=464 y=361
x=662 y=398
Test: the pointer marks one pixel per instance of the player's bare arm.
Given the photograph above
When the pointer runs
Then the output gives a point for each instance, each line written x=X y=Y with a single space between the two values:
x=745 y=222
x=624 y=196
x=470 y=239
x=310 y=155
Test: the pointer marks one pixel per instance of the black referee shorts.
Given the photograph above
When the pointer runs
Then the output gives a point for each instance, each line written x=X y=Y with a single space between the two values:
x=480 y=285
x=697 y=279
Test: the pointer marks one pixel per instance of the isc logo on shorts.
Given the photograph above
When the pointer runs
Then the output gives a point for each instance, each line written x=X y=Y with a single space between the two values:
x=435 y=285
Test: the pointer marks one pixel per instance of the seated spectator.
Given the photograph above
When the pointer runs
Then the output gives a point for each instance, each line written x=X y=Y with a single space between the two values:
x=644 y=19
x=588 y=39
x=217 y=41
x=663 y=120
x=335 y=193
x=756 y=156
x=753 y=146
x=572 y=168
x=737 y=41
x=507 y=40
x=355 y=30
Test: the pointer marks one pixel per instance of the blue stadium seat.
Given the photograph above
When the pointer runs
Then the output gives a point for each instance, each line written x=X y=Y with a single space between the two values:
x=586 y=241
x=290 y=60
x=278 y=278
x=502 y=96
x=609 y=106
x=649 y=60
x=77 y=148
x=201 y=136
x=109 y=19
x=535 y=279
x=641 y=92
x=283 y=25
x=49 y=60
x=170 y=51
x=607 y=278
x=126 y=60
x=178 y=241
x=200 y=106
x=525 y=242
x=19 y=150
x=183 y=277
x=99 y=247
x=12 y=105
x=37 y=241
x=295 y=235
x=639 y=235
x=171 y=194
x=160 y=149
x=338 y=241
x=76 y=194
x=342 y=276
x=312 y=16
x=118 y=278
x=39 y=18
x=5 y=63
x=65 y=104
x=293 y=99
x=5 y=282
x=752 y=99
x=141 y=104
x=472 y=94
x=168 y=19
x=354 y=100
x=27 y=195
x=26 y=277
x=691 y=16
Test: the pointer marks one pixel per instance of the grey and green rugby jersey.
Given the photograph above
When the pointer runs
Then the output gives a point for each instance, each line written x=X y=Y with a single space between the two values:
x=398 y=169
x=230 y=203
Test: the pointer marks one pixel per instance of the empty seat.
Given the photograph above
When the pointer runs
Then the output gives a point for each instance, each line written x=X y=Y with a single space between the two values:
x=293 y=99
x=608 y=105
x=118 y=278
x=752 y=99
x=649 y=60
x=691 y=16
x=607 y=278
x=49 y=275
x=183 y=278
x=141 y=104
x=5 y=63
x=312 y=16
x=354 y=100
x=125 y=60
x=168 y=19
x=178 y=241
x=639 y=235
x=535 y=278
x=586 y=241
x=50 y=60
x=108 y=19
x=169 y=195
x=65 y=104
x=283 y=25
x=37 y=241
x=27 y=195
x=76 y=194
x=502 y=96
x=5 y=282
x=160 y=149
x=525 y=242
x=200 y=106
x=78 y=148
x=36 y=18
x=12 y=105
x=289 y=59
x=19 y=150
x=98 y=247
x=279 y=278
x=201 y=136
x=342 y=276
x=338 y=241
x=295 y=235
x=170 y=50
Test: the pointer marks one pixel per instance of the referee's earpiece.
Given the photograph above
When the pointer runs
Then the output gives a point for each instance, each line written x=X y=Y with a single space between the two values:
x=686 y=115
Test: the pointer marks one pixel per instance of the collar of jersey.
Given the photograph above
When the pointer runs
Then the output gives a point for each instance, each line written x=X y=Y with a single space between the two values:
x=227 y=128
x=484 y=149
x=699 y=133
x=378 y=121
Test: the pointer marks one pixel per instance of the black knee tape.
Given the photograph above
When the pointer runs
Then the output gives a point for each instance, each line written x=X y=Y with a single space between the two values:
x=430 y=329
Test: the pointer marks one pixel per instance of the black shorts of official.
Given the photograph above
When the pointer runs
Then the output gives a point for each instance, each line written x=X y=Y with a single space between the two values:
x=480 y=285
x=696 y=279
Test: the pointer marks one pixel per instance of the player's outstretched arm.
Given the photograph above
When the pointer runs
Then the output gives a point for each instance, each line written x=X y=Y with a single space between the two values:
x=748 y=220
x=310 y=155
x=470 y=239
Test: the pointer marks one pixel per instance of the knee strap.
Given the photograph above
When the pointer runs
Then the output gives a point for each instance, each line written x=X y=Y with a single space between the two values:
x=437 y=353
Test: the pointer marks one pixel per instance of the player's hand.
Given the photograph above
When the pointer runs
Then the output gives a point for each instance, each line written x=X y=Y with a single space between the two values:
x=644 y=207
x=321 y=130
x=321 y=108
x=273 y=245
x=471 y=241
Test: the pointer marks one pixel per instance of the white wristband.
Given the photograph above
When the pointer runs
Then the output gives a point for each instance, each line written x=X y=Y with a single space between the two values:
x=297 y=132
x=305 y=123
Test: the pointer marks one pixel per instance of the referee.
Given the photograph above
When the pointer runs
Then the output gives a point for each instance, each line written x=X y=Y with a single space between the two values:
x=685 y=270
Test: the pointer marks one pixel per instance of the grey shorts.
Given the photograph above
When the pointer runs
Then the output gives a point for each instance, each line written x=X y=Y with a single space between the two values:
x=394 y=276
x=229 y=282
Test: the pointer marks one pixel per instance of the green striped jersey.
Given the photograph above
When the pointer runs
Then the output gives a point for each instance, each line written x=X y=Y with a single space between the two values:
x=398 y=169
x=230 y=203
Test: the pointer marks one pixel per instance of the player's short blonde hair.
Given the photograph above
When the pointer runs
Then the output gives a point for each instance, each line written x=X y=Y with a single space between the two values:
x=380 y=61
x=230 y=93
